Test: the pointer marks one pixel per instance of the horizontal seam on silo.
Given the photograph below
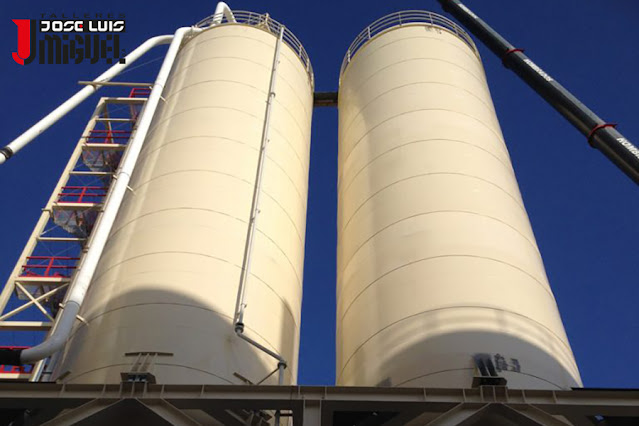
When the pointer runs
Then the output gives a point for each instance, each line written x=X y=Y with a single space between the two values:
x=184 y=87
x=459 y=369
x=144 y=152
x=472 y=57
x=173 y=76
x=481 y=82
x=301 y=200
x=297 y=190
x=445 y=256
x=188 y=272
x=421 y=110
x=272 y=47
x=134 y=305
x=447 y=370
x=268 y=67
x=204 y=40
x=297 y=124
x=299 y=194
x=146 y=182
x=128 y=365
x=362 y=108
x=164 y=119
x=294 y=269
x=261 y=120
x=340 y=190
x=379 y=231
x=193 y=368
x=117 y=230
x=211 y=58
x=552 y=334
x=149 y=149
x=257 y=40
x=288 y=112
x=114 y=265
x=217 y=212
x=295 y=64
x=429 y=174
x=305 y=164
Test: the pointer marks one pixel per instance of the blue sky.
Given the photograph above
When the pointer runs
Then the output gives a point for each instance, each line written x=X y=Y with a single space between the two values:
x=583 y=210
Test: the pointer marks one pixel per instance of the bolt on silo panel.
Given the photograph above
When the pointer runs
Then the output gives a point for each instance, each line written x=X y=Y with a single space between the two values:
x=168 y=279
x=437 y=261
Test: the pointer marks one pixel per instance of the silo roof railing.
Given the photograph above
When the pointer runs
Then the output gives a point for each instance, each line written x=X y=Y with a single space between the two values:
x=406 y=17
x=265 y=22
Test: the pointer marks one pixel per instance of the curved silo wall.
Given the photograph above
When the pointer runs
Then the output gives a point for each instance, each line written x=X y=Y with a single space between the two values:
x=437 y=261
x=168 y=279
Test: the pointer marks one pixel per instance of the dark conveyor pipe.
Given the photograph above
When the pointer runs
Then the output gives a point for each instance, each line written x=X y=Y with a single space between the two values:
x=601 y=134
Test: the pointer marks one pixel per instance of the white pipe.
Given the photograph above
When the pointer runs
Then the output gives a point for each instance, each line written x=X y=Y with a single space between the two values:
x=102 y=229
x=75 y=100
x=240 y=304
x=222 y=10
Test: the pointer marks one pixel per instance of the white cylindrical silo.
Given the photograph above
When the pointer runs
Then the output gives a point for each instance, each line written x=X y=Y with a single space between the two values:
x=437 y=262
x=166 y=286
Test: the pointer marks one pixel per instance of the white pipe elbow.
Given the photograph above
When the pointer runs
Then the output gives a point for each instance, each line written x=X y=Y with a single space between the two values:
x=222 y=10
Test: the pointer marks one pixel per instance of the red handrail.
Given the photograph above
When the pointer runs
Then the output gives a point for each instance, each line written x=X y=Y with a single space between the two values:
x=140 y=92
x=49 y=267
x=107 y=136
x=81 y=192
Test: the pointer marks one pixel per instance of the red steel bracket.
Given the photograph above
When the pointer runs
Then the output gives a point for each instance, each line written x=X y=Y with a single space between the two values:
x=596 y=129
x=508 y=52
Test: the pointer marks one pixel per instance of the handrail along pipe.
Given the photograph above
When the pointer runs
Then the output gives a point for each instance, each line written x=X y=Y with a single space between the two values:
x=601 y=135
x=85 y=273
x=21 y=141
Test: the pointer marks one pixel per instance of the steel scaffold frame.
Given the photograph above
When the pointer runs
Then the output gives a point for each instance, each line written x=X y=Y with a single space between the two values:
x=35 y=288
x=318 y=406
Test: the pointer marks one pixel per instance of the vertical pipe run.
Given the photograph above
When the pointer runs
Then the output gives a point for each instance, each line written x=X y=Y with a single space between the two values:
x=246 y=265
x=255 y=204
x=240 y=304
